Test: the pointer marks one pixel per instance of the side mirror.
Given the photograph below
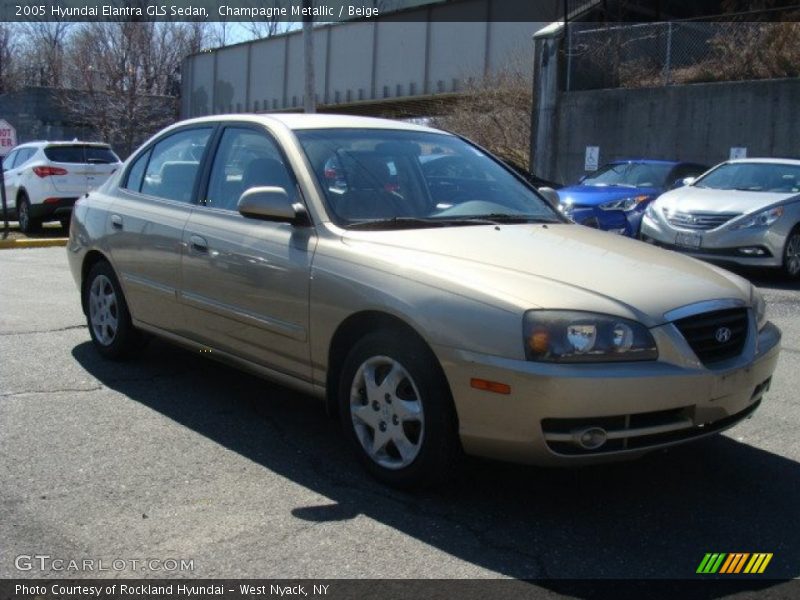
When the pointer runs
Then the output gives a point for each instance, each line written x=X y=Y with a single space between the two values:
x=551 y=196
x=688 y=180
x=267 y=204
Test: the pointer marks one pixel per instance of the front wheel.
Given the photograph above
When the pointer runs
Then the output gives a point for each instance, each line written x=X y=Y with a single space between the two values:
x=791 y=254
x=396 y=408
x=109 y=320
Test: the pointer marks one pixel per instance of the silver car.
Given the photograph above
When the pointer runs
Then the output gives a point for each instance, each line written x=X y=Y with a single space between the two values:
x=436 y=313
x=743 y=212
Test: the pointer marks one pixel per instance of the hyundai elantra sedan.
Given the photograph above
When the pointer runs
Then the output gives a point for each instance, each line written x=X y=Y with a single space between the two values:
x=436 y=312
x=743 y=212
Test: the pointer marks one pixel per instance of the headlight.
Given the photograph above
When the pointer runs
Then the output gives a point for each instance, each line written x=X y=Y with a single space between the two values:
x=651 y=211
x=763 y=219
x=575 y=337
x=625 y=204
x=759 y=307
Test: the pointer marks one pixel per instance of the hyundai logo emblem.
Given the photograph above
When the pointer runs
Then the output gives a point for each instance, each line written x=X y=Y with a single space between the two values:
x=723 y=334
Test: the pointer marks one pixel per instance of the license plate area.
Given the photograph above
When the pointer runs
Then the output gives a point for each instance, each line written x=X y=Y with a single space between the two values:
x=689 y=240
x=731 y=383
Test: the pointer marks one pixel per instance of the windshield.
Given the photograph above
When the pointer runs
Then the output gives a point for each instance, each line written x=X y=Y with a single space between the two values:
x=753 y=177
x=415 y=179
x=631 y=175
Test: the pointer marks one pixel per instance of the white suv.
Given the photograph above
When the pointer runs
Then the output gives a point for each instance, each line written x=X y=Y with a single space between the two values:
x=44 y=179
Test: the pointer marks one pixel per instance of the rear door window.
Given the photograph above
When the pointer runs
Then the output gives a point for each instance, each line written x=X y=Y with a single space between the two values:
x=174 y=163
x=80 y=153
x=8 y=161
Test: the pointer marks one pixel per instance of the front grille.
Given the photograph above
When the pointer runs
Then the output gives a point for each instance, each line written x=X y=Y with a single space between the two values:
x=699 y=221
x=705 y=334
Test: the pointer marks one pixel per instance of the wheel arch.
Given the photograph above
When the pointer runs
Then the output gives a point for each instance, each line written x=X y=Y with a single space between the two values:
x=352 y=329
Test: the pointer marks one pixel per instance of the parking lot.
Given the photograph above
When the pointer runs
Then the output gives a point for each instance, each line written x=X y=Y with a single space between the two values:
x=173 y=456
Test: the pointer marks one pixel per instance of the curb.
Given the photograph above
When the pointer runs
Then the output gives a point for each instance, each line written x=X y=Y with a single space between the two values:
x=34 y=243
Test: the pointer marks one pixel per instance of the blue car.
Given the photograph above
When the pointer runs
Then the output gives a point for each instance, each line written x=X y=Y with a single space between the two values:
x=615 y=197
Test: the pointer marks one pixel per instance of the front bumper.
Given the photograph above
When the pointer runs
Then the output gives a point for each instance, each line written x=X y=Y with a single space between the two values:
x=726 y=246
x=640 y=406
x=615 y=221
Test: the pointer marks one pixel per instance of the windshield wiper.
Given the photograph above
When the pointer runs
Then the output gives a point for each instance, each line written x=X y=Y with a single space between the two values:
x=505 y=218
x=422 y=222
x=396 y=223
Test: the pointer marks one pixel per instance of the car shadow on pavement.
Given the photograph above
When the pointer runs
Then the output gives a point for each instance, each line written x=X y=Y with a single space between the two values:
x=651 y=518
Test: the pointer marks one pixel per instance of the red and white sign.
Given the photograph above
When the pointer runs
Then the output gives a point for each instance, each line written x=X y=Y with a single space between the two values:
x=8 y=137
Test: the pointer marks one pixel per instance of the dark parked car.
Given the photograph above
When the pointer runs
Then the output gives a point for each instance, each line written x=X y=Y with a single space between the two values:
x=615 y=197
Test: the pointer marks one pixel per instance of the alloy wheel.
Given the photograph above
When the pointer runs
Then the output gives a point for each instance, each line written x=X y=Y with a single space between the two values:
x=386 y=411
x=24 y=215
x=792 y=255
x=103 y=310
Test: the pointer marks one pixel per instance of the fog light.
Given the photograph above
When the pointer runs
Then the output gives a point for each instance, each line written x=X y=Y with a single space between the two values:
x=752 y=251
x=591 y=438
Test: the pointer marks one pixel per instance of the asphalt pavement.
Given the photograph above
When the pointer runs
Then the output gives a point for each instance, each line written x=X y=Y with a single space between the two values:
x=172 y=456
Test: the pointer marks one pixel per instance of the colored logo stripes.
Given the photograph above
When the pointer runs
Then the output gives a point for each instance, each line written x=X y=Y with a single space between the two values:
x=733 y=563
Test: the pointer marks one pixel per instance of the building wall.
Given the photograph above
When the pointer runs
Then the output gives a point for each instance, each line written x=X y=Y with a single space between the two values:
x=697 y=122
x=39 y=113
x=36 y=114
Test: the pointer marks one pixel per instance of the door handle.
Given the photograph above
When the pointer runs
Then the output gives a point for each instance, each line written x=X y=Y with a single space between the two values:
x=116 y=222
x=198 y=243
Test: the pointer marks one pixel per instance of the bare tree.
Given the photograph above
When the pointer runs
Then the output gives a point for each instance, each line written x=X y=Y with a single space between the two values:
x=43 y=52
x=126 y=76
x=267 y=28
x=8 y=62
x=495 y=110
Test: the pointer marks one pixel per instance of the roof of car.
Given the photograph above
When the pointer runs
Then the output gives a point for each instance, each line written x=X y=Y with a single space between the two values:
x=62 y=143
x=297 y=121
x=650 y=161
x=775 y=161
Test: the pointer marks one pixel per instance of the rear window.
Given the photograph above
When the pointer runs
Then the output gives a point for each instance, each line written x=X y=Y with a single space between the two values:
x=80 y=154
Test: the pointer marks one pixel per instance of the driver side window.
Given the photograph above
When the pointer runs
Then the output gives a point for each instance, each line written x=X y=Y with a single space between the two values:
x=246 y=158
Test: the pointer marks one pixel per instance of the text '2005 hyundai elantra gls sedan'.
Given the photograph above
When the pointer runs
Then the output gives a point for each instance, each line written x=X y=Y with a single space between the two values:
x=436 y=311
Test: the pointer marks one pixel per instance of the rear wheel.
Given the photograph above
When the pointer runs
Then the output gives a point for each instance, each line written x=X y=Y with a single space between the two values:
x=396 y=409
x=27 y=224
x=791 y=254
x=109 y=320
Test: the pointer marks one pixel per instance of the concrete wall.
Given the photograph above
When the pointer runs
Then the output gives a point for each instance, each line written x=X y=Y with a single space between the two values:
x=698 y=122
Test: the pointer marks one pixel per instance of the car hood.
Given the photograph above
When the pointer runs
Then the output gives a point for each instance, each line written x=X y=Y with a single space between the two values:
x=592 y=195
x=549 y=266
x=696 y=199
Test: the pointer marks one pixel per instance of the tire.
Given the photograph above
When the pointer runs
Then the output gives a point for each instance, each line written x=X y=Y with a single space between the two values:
x=107 y=314
x=408 y=407
x=791 y=255
x=27 y=224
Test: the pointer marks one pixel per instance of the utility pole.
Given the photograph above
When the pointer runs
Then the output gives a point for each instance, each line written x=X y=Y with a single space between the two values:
x=310 y=95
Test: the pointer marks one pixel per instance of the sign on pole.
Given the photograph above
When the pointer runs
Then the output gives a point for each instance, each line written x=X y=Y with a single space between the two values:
x=8 y=137
x=592 y=158
x=738 y=152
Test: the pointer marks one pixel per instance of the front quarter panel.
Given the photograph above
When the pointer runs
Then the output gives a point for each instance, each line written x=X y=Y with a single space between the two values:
x=344 y=283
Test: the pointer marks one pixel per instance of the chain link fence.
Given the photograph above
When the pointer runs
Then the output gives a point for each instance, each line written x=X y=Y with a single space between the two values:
x=657 y=54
